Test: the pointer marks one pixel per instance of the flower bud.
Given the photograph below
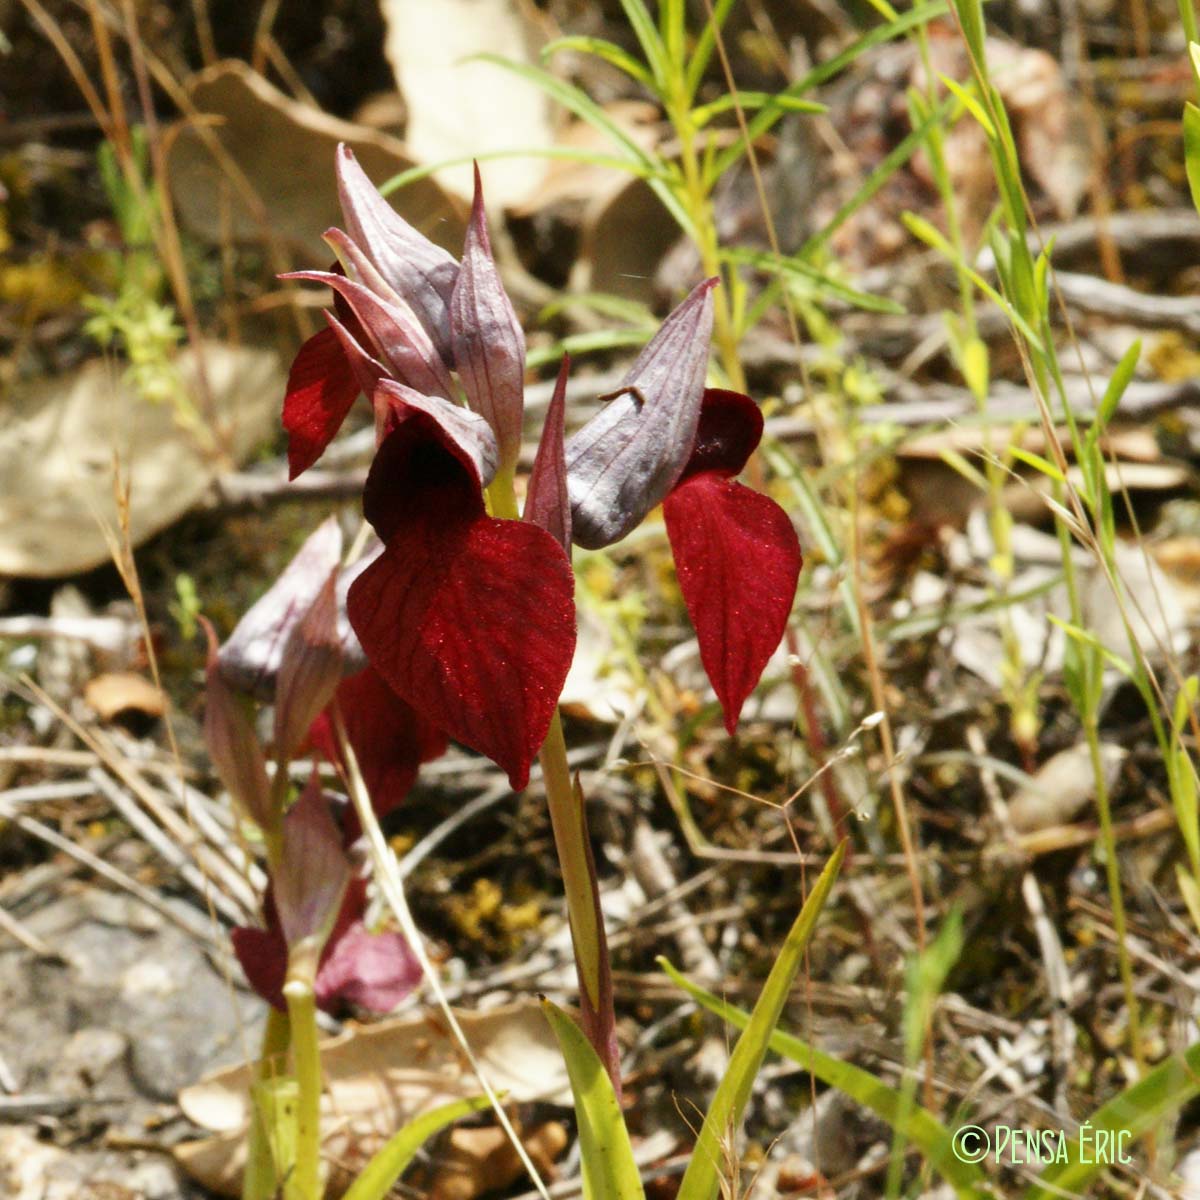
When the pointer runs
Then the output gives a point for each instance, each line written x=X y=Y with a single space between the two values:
x=310 y=879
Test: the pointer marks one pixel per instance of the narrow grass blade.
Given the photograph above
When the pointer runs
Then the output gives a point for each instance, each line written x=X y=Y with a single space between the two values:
x=577 y=344
x=702 y=1180
x=606 y=1156
x=586 y=109
x=766 y=117
x=875 y=182
x=1119 y=1124
x=920 y=1126
x=971 y=104
x=1117 y=384
x=647 y=35
x=610 y=52
x=705 y=44
x=388 y=1164
x=970 y=19
x=1192 y=150
x=765 y=260
x=748 y=101
x=672 y=23
x=619 y=308
x=629 y=165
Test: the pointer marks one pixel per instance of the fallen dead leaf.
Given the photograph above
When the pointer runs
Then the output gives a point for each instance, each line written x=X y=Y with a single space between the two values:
x=626 y=234
x=270 y=172
x=378 y=1079
x=475 y=1161
x=458 y=107
x=60 y=436
x=572 y=181
x=1061 y=787
x=120 y=692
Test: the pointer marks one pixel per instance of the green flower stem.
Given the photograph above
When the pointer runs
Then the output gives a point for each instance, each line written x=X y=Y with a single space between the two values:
x=1112 y=873
x=260 y=1179
x=273 y=834
x=569 y=824
x=277 y=1037
x=304 y=1183
x=261 y=1176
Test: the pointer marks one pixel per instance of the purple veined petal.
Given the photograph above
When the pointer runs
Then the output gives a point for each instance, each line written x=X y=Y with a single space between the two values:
x=546 y=501
x=400 y=340
x=360 y=269
x=467 y=435
x=422 y=273
x=312 y=875
x=311 y=669
x=628 y=457
x=486 y=337
x=251 y=657
x=358 y=266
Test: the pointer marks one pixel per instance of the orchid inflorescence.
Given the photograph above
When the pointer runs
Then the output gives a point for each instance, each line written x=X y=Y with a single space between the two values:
x=460 y=622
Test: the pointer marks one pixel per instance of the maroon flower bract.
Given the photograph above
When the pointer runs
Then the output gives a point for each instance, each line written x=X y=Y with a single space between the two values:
x=736 y=553
x=374 y=971
x=321 y=388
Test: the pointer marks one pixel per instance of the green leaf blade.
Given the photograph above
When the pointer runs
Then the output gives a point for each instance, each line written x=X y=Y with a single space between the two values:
x=610 y=52
x=606 y=1155
x=389 y=1162
x=921 y=1127
x=702 y=1180
x=1120 y=380
x=1136 y=1111
x=1191 y=149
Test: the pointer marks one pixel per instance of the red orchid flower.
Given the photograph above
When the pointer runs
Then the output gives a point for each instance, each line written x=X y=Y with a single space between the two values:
x=469 y=617
x=407 y=312
x=666 y=438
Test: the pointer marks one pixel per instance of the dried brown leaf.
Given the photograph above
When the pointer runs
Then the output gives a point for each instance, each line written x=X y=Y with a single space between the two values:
x=273 y=175
x=58 y=438
x=379 y=1078
x=458 y=107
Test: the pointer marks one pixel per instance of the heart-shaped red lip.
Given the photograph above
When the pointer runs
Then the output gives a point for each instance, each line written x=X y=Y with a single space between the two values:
x=470 y=619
